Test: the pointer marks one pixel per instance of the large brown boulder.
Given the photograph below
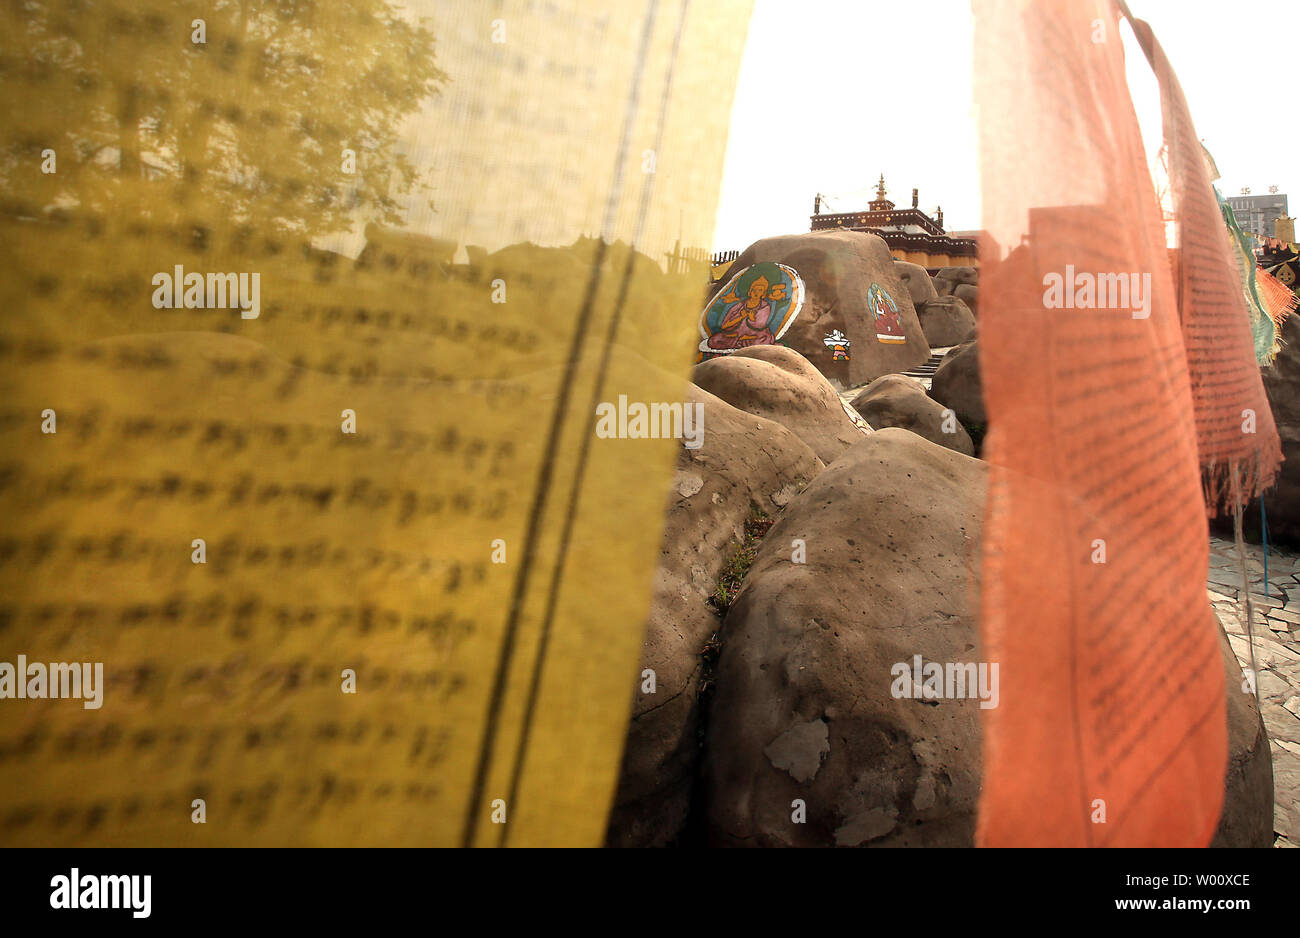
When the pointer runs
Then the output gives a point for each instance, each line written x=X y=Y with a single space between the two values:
x=947 y=279
x=1247 y=816
x=1282 y=502
x=787 y=359
x=838 y=268
x=744 y=462
x=946 y=321
x=968 y=293
x=900 y=401
x=957 y=384
x=805 y=712
x=779 y=384
x=790 y=360
x=804 y=708
x=919 y=285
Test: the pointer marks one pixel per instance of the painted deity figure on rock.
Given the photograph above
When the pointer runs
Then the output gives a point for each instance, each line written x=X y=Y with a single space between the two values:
x=888 y=319
x=746 y=321
x=756 y=307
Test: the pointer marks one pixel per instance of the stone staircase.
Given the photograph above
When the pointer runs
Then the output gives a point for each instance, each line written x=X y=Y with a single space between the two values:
x=924 y=372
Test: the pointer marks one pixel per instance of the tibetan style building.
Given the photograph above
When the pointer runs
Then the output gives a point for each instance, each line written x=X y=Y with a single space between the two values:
x=911 y=234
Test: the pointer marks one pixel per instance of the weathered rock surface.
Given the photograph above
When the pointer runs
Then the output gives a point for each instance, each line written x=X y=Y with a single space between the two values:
x=1282 y=502
x=946 y=321
x=948 y=278
x=804 y=706
x=787 y=359
x=781 y=385
x=957 y=384
x=969 y=294
x=919 y=285
x=744 y=461
x=1247 y=817
x=838 y=268
x=900 y=401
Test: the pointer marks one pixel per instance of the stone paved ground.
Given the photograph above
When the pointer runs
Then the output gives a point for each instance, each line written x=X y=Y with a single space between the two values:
x=1277 y=654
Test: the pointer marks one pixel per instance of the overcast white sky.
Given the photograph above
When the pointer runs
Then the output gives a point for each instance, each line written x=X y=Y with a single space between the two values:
x=832 y=93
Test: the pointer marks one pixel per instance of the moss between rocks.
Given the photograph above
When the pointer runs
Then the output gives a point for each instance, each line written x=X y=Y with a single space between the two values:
x=743 y=553
x=741 y=559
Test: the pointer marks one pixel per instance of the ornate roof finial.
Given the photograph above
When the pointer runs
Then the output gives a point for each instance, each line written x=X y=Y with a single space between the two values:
x=880 y=203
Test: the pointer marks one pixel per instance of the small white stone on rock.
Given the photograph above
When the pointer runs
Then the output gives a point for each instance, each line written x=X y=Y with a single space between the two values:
x=868 y=825
x=688 y=483
x=800 y=749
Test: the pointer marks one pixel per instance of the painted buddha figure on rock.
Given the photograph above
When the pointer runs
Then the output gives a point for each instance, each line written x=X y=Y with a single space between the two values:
x=755 y=307
x=748 y=321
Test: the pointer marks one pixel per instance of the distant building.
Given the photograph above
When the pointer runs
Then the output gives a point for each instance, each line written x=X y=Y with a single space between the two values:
x=1255 y=214
x=911 y=234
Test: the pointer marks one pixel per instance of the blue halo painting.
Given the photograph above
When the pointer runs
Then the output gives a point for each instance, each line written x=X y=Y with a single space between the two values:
x=756 y=307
